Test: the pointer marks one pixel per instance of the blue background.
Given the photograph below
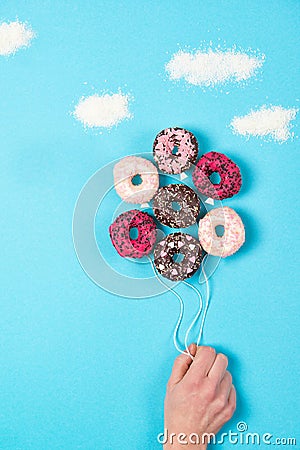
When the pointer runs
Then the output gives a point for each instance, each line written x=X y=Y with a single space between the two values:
x=81 y=368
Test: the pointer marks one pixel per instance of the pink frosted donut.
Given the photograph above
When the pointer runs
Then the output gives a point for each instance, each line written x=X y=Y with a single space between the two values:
x=164 y=147
x=230 y=176
x=234 y=232
x=124 y=173
x=120 y=234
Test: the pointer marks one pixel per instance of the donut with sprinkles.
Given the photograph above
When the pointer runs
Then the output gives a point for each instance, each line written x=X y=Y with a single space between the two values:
x=126 y=246
x=232 y=238
x=124 y=173
x=178 y=196
x=230 y=176
x=178 y=244
x=175 y=150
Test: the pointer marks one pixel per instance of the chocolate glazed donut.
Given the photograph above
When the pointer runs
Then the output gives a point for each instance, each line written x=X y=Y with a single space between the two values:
x=173 y=244
x=178 y=195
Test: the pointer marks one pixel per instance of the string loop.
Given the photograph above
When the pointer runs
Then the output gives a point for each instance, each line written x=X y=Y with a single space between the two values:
x=181 y=311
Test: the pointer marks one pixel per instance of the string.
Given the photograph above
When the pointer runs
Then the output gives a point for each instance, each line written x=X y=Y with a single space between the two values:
x=179 y=320
x=207 y=300
x=197 y=315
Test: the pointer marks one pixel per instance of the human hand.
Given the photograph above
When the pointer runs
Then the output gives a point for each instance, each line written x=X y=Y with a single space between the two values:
x=200 y=398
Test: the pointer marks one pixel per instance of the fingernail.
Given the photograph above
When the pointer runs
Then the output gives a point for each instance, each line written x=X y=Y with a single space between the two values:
x=192 y=347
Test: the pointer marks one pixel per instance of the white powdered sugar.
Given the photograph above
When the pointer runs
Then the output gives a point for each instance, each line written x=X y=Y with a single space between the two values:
x=273 y=122
x=103 y=110
x=212 y=67
x=13 y=36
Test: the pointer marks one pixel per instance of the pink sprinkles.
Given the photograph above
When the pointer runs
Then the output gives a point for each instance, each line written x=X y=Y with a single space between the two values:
x=167 y=160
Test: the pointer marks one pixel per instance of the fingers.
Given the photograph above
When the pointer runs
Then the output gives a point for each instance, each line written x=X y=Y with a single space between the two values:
x=181 y=366
x=232 y=397
x=225 y=387
x=203 y=362
x=231 y=402
x=218 y=368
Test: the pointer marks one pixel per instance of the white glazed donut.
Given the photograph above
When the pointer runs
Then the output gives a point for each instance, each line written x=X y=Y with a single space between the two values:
x=234 y=232
x=126 y=169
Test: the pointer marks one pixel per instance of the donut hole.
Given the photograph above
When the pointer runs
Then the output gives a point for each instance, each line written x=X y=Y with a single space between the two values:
x=178 y=257
x=176 y=206
x=175 y=150
x=134 y=233
x=136 y=180
x=220 y=230
x=215 y=178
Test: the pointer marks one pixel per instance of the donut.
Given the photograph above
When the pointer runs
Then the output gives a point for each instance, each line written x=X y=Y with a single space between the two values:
x=234 y=232
x=187 y=200
x=124 y=173
x=177 y=243
x=230 y=176
x=119 y=232
x=165 y=145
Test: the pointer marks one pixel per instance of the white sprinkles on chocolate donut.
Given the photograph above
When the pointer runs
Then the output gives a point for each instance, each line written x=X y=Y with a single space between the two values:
x=178 y=243
x=184 y=197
